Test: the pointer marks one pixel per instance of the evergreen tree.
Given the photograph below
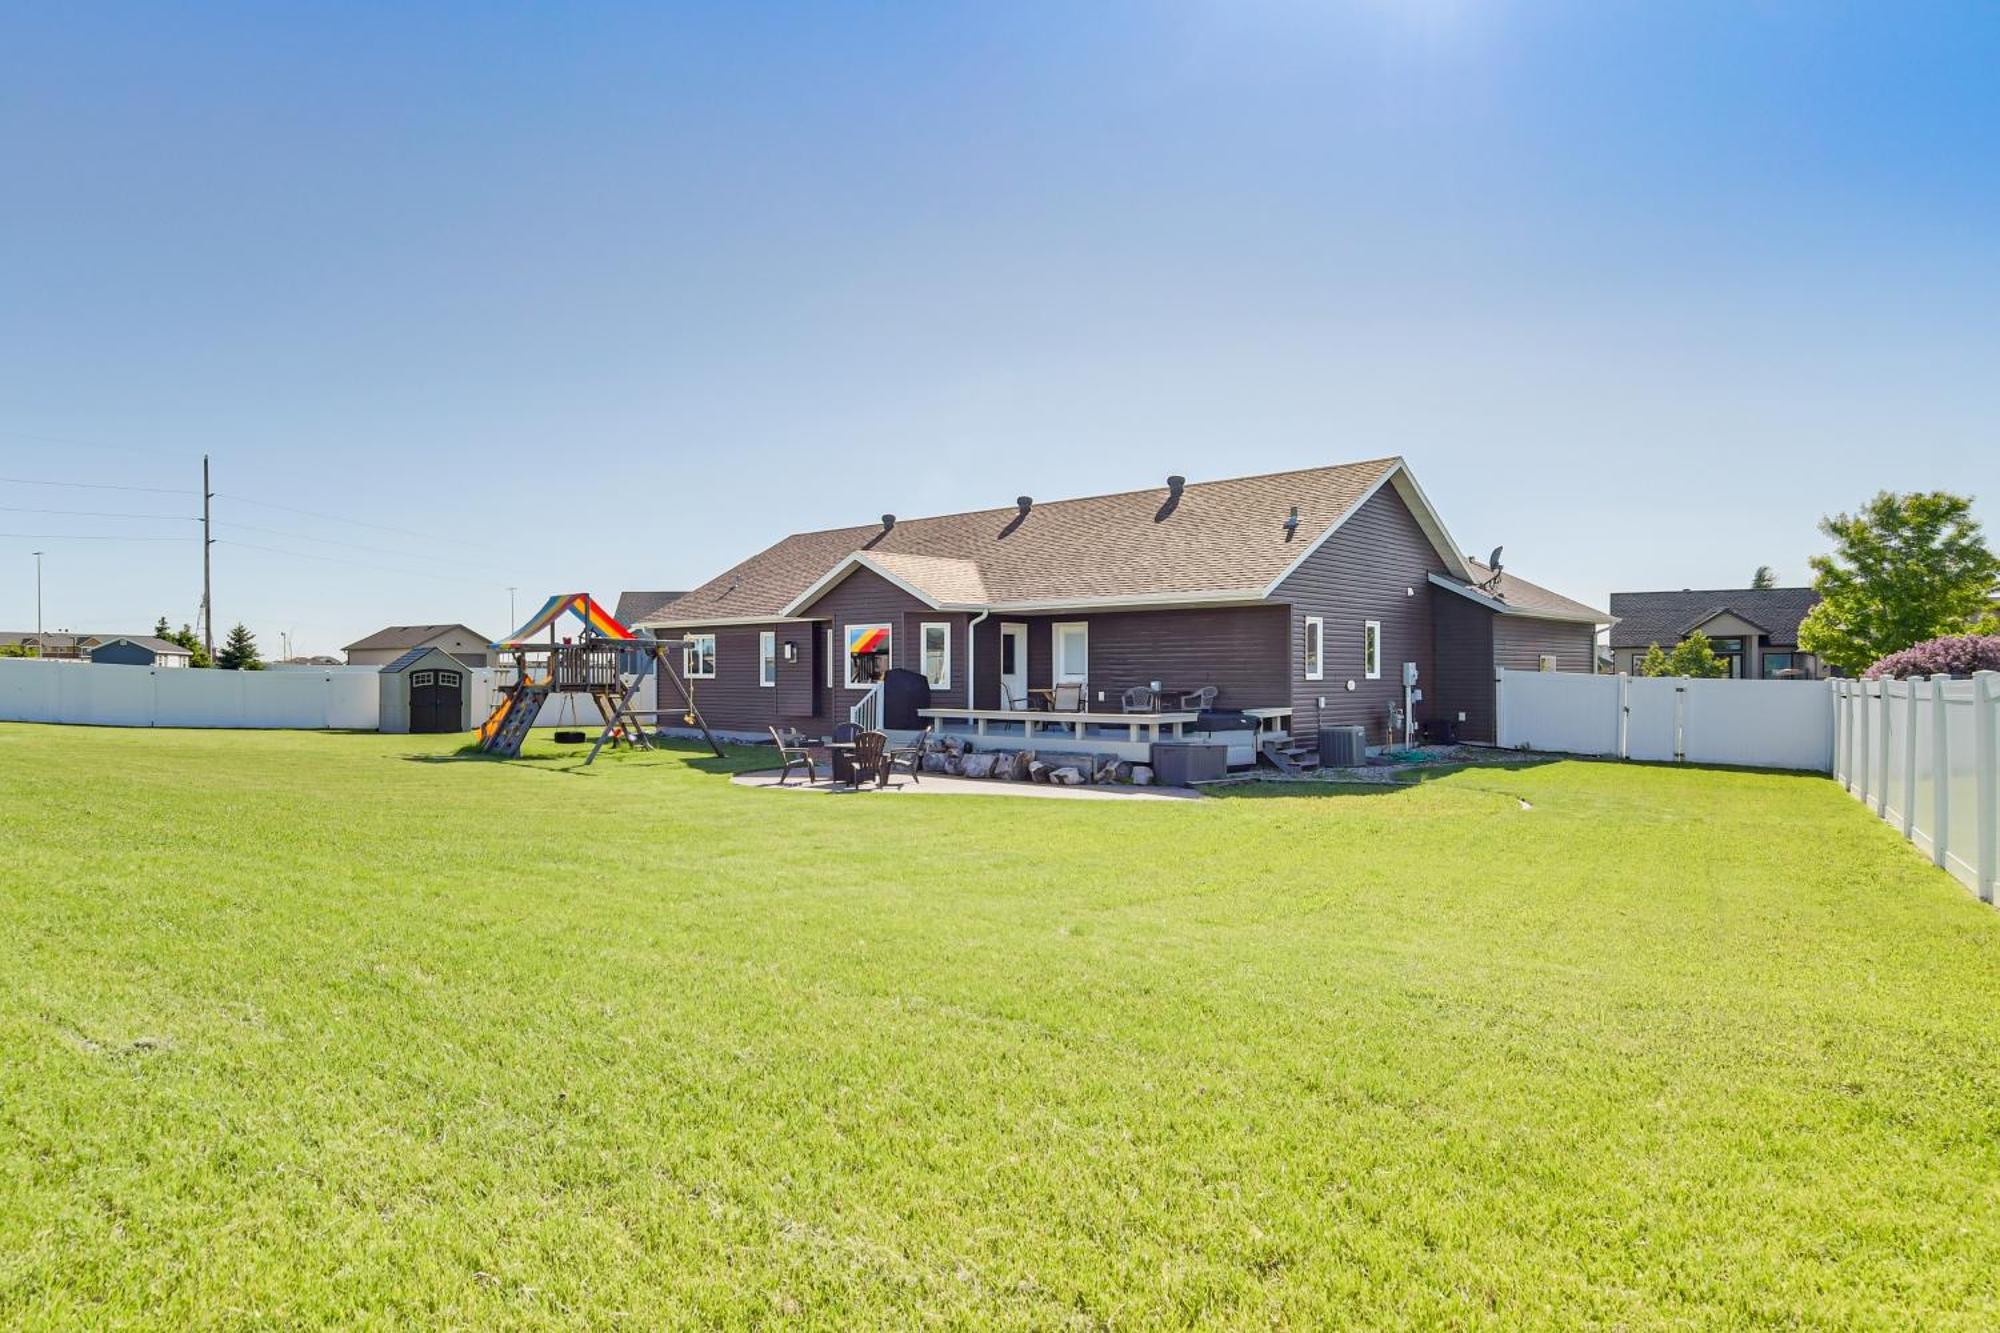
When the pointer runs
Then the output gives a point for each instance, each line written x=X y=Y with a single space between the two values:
x=239 y=651
x=185 y=637
x=1906 y=569
x=1763 y=578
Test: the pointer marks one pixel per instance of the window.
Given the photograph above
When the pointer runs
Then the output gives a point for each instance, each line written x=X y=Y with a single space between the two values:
x=1315 y=648
x=936 y=643
x=1371 y=649
x=448 y=679
x=867 y=655
x=767 y=658
x=698 y=657
x=420 y=678
x=1776 y=662
x=1071 y=651
x=1546 y=662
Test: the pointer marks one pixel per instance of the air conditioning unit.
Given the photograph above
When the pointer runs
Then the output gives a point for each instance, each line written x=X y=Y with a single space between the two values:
x=1343 y=747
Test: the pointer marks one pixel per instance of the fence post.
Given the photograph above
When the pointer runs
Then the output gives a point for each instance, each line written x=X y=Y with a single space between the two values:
x=1862 y=750
x=1985 y=706
x=1910 y=757
x=1624 y=715
x=1882 y=744
x=1940 y=771
x=1500 y=705
x=1680 y=719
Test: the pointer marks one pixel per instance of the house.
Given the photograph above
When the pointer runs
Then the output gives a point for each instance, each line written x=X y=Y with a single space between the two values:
x=1755 y=629
x=384 y=646
x=140 y=650
x=53 y=645
x=1300 y=596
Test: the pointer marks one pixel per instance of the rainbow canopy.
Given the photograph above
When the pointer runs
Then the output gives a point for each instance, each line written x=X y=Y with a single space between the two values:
x=874 y=639
x=597 y=622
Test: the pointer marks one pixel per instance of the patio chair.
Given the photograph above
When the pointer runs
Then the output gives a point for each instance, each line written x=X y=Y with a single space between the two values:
x=1199 y=701
x=1139 y=699
x=871 y=758
x=1011 y=701
x=792 y=749
x=910 y=758
x=1069 y=698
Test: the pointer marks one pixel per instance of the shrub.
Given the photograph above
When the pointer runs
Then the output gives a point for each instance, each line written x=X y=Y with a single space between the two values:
x=1954 y=654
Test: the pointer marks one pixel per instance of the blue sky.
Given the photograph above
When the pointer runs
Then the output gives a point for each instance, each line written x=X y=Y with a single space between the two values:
x=609 y=296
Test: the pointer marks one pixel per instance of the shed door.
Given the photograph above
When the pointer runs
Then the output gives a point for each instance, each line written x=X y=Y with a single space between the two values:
x=437 y=701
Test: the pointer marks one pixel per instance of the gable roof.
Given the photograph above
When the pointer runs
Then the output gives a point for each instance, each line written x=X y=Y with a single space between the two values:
x=408 y=636
x=158 y=647
x=415 y=655
x=1513 y=595
x=635 y=607
x=1220 y=541
x=1663 y=617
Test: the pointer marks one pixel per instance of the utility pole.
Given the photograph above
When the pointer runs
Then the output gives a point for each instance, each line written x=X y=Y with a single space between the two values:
x=207 y=543
x=38 y=594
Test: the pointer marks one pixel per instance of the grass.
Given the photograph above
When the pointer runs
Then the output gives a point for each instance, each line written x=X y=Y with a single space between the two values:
x=307 y=1029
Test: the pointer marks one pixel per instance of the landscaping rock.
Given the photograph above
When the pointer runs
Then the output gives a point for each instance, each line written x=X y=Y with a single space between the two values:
x=1142 y=775
x=937 y=761
x=1123 y=772
x=1068 y=777
x=1023 y=761
x=976 y=765
x=1038 y=771
x=1104 y=768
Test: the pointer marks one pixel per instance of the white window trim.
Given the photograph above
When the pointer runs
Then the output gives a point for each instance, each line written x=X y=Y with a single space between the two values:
x=923 y=650
x=1055 y=652
x=767 y=659
x=691 y=654
x=847 y=658
x=1315 y=648
x=1371 y=671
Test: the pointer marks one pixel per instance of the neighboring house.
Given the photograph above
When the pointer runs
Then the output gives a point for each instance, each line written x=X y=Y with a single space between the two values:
x=384 y=646
x=1303 y=592
x=140 y=650
x=640 y=608
x=53 y=645
x=312 y=660
x=1755 y=629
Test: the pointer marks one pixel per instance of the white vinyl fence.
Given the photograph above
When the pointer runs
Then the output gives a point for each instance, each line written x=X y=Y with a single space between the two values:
x=1922 y=755
x=1750 y=723
x=342 y=698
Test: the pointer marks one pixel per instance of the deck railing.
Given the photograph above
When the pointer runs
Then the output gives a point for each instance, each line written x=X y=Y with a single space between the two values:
x=868 y=713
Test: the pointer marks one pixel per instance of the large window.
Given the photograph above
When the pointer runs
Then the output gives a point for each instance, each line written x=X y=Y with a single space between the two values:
x=1371 y=649
x=867 y=655
x=698 y=657
x=767 y=659
x=1776 y=662
x=937 y=654
x=1315 y=648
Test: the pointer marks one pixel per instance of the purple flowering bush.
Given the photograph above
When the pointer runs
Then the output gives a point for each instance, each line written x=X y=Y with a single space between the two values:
x=1954 y=654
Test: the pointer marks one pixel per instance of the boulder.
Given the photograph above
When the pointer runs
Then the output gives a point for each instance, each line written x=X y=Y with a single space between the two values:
x=1105 y=768
x=1038 y=771
x=976 y=765
x=1123 y=772
x=1023 y=761
x=1068 y=777
x=1003 y=765
x=1142 y=775
x=937 y=761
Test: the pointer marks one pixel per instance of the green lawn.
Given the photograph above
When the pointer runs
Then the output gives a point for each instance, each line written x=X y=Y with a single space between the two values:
x=333 y=1029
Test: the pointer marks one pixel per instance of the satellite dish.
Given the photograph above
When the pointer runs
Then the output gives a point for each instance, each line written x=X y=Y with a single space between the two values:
x=1493 y=561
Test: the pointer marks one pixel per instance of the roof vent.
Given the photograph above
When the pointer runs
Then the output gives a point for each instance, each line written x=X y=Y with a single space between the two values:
x=1292 y=523
x=888 y=522
x=1024 y=503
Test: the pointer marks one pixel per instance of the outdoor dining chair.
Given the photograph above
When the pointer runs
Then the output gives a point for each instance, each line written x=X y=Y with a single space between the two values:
x=871 y=758
x=1068 y=698
x=1139 y=699
x=793 y=750
x=1201 y=700
x=910 y=758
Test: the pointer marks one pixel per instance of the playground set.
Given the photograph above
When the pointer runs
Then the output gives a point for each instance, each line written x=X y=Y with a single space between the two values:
x=604 y=660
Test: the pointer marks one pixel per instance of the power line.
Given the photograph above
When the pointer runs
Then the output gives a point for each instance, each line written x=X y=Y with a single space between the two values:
x=98 y=486
x=336 y=518
x=343 y=560
x=88 y=537
x=94 y=513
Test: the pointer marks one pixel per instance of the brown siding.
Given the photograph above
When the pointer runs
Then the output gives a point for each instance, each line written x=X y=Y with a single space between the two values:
x=1376 y=567
x=1463 y=679
x=1519 y=642
x=1239 y=650
x=733 y=700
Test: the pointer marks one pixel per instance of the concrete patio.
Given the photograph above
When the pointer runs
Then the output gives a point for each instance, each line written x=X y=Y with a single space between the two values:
x=941 y=784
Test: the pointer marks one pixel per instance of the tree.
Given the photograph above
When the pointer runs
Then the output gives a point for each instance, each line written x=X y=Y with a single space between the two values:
x=16 y=650
x=1692 y=656
x=1763 y=578
x=1907 y=568
x=239 y=651
x=1953 y=655
x=185 y=637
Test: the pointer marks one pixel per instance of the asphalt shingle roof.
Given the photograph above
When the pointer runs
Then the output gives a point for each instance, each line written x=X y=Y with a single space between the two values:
x=1220 y=537
x=1532 y=598
x=1663 y=617
x=636 y=608
x=407 y=636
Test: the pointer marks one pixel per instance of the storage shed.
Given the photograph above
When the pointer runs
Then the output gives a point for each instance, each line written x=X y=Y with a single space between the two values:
x=427 y=691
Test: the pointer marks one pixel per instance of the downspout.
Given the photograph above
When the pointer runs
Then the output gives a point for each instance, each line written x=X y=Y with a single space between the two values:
x=972 y=658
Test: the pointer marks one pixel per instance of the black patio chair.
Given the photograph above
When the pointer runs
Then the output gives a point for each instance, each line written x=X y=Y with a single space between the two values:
x=793 y=750
x=910 y=758
x=871 y=758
